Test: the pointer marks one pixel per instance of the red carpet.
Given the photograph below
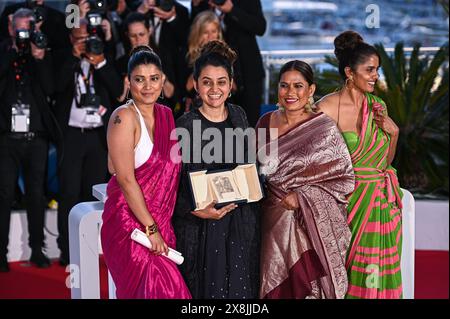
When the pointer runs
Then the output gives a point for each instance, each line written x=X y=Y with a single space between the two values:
x=25 y=281
x=431 y=277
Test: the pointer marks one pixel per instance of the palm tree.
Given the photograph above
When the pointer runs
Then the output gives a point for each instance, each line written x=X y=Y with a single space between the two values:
x=416 y=94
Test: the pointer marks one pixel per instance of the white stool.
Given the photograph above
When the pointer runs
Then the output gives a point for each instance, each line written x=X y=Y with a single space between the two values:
x=408 y=245
x=84 y=230
x=84 y=245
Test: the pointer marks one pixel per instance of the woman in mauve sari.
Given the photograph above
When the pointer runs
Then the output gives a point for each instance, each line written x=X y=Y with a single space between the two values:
x=142 y=192
x=374 y=210
x=305 y=235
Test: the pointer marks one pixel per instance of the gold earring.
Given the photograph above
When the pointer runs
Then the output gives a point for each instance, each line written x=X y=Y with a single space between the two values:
x=162 y=95
x=309 y=105
x=348 y=80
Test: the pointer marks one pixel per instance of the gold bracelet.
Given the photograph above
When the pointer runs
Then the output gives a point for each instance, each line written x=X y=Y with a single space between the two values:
x=151 y=229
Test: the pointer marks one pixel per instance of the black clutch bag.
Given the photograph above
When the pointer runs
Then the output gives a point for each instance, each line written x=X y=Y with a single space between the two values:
x=239 y=185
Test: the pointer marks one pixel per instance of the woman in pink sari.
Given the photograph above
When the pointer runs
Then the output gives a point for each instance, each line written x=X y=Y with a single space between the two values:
x=305 y=235
x=142 y=192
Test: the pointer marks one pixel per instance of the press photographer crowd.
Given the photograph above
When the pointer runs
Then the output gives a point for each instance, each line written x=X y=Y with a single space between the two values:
x=60 y=85
x=309 y=220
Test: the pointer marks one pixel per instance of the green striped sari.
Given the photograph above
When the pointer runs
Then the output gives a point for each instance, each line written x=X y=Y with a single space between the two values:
x=374 y=213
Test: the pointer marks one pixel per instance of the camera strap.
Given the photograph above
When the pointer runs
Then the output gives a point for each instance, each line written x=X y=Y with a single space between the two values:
x=84 y=82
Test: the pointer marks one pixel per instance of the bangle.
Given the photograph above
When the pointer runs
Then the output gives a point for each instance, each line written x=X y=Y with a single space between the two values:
x=151 y=229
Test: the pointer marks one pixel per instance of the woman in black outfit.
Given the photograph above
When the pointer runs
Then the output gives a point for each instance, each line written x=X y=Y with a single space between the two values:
x=221 y=246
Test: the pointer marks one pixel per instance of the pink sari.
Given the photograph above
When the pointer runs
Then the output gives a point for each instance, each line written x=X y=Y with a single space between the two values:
x=136 y=271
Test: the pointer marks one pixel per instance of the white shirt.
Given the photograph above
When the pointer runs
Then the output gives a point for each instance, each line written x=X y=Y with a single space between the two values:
x=79 y=117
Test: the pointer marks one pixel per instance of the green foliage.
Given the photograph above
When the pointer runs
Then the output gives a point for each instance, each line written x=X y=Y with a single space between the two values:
x=418 y=104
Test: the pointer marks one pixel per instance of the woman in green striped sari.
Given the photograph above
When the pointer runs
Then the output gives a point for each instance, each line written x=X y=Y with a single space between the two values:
x=374 y=210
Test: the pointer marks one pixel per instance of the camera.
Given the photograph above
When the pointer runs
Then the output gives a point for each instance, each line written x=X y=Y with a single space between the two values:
x=89 y=100
x=219 y=2
x=24 y=37
x=165 y=5
x=94 y=42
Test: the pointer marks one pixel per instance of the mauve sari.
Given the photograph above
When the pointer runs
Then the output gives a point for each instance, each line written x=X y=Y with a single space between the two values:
x=303 y=251
x=136 y=271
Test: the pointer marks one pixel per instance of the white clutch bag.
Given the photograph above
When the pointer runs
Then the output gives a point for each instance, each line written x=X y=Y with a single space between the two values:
x=140 y=237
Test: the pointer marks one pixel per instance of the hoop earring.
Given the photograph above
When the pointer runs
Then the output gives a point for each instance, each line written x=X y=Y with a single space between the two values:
x=229 y=95
x=127 y=97
x=161 y=96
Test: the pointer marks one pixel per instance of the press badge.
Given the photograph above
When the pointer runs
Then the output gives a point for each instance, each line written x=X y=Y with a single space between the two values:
x=20 y=118
x=92 y=116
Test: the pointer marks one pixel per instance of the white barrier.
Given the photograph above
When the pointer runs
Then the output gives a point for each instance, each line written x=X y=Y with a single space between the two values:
x=85 y=220
x=408 y=245
x=84 y=230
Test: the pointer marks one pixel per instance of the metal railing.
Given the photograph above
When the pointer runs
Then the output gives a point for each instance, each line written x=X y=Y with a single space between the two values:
x=274 y=59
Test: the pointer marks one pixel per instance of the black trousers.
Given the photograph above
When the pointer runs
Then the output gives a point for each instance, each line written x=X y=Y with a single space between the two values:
x=84 y=164
x=31 y=156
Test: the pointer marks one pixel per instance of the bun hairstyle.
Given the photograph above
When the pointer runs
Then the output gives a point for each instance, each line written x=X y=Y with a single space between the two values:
x=143 y=55
x=351 y=50
x=306 y=71
x=215 y=53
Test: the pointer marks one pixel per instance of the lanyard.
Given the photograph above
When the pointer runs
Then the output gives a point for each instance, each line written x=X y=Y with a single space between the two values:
x=87 y=82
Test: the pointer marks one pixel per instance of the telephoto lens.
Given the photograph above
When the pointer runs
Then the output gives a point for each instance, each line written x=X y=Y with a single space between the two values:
x=165 y=5
x=94 y=43
x=39 y=39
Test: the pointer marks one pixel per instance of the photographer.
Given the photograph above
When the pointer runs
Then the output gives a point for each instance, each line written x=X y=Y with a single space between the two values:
x=243 y=21
x=25 y=128
x=106 y=22
x=50 y=21
x=137 y=30
x=169 y=22
x=86 y=84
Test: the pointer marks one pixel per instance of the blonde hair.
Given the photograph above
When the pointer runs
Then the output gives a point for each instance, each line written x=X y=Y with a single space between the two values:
x=196 y=32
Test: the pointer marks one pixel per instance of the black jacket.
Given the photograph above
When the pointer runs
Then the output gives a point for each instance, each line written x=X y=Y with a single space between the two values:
x=243 y=24
x=42 y=85
x=107 y=85
x=172 y=46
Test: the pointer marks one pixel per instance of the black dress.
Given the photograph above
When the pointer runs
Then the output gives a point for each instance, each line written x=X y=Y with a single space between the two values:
x=221 y=256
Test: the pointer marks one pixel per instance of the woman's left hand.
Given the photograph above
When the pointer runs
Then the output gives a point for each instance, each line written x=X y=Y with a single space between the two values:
x=385 y=123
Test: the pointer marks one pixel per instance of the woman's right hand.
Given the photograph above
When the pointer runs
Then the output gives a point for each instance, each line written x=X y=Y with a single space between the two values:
x=209 y=212
x=159 y=246
x=290 y=202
